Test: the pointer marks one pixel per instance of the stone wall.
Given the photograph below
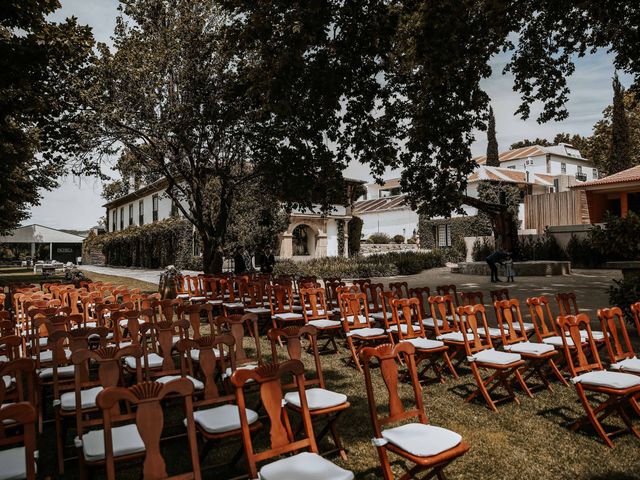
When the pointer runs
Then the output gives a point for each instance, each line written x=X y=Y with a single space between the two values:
x=540 y=268
x=372 y=248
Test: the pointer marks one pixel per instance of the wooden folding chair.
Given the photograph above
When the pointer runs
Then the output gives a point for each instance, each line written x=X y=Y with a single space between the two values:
x=472 y=298
x=361 y=283
x=377 y=309
x=444 y=323
x=621 y=354
x=241 y=327
x=356 y=323
x=323 y=404
x=194 y=313
x=400 y=289
x=299 y=465
x=429 y=447
x=567 y=303
x=316 y=313
x=406 y=314
x=422 y=294
x=499 y=294
x=444 y=290
x=539 y=356
x=281 y=304
x=622 y=389
x=482 y=356
x=19 y=461
x=145 y=433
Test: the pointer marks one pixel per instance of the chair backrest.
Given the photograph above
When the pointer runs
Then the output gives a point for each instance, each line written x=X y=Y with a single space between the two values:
x=281 y=439
x=314 y=304
x=158 y=338
x=422 y=294
x=167 y=308
x=401 y=289
x=541 y=317
x=241 y=327
x=510 y=321
x=354 y=305
x=499 y=295
x=149 y=418
x=567 y=304
x=472 y=317
x=23 y=416
x=388 y=357
x=331 y=285
x=253 y=294
x=215 y=353
x=21 y=385
x=615 y=332
x=280 y=298
x=361 y=283
x=583 y=348
x=635 y=311
x=294 y=334
x=406 y=311
x=472 y=298
x=443 y=308
x=192 y=313
x=452 y=290
x=373 y=291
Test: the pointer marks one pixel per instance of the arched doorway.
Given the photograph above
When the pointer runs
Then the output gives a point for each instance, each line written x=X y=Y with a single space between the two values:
x=303 y=241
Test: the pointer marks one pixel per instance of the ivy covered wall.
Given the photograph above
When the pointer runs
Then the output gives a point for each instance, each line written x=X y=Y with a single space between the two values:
x=459 y=227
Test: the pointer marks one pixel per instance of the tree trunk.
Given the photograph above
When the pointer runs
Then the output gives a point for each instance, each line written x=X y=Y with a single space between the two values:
x=505 y=227
x=212 y=256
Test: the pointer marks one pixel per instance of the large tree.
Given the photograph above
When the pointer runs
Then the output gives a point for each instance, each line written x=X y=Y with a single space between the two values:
x=39 y=65
x=493 y=158
x=619 y=157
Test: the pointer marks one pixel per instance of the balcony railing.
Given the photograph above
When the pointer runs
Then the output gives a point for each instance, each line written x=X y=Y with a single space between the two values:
x=582 y=177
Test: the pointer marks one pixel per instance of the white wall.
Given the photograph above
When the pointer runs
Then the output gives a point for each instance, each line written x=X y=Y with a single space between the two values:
x=396 y=222
x=332 y=238
x=164 y=210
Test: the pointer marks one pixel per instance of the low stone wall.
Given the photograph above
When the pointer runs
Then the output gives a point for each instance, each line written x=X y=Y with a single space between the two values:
x=540 y=268
x=372 y=248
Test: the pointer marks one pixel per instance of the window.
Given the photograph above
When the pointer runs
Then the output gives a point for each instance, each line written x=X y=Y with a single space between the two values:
x=114 y=223
x=556 y=184
x=130 y=214
x=141 y=212
x=154 y=204
x=579 y=169
x=512 y=167
x=121 y=218
x=174 y=209
x=563 y=168
x=444 y=236
x=594 y=172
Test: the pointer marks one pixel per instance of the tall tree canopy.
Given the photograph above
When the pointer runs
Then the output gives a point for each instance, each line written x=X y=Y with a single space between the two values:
x=493 y=159
x=619 y=150
x=39 y=66
x=216 y=94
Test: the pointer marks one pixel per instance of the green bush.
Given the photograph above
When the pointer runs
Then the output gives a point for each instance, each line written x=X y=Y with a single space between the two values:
x=545 y=247
x=623 y=293
x=620 y=240
x=378 y=265
x=583 y=253
x=398 y=238
x=482 y=248
x=379 y=238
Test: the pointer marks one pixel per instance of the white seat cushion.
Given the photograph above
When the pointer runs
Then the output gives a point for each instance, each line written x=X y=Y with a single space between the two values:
x=258 y=310
x=493 y=356
x=361 y=318
x=13 y=462
x=305 y=465
x=197 y=384
x=195 y=354
x=215 y=302
x=288 y=316
x=320 y=312
x=66 y=371
x=493 y=332
x=87 y=399
x=153 y=360
x=528 y=327
x=627 y=365
x=198 y=299
x=530 y=348
x=182 y=295
x=249 y=366
x=424 y=343
x=422 y=440
x=47 y=355
x=429 y=322
x=403 y=328
x=125 y=440
x=297 y=308
x=233 y=305
x=124 y=322
x=366 y=332
x=317 y=398
x=556 y=341
x=324 y=323
x=8 y=380
x=379 y=316
x=603 y=378
x=454 y=337
x=224 y=418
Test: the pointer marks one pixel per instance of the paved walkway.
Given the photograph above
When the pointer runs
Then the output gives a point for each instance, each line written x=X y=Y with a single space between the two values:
x=142 y=274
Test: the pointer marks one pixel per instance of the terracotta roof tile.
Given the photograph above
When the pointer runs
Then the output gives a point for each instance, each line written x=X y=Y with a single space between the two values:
x=523 y=152
x=377 y=205
x=629 y=175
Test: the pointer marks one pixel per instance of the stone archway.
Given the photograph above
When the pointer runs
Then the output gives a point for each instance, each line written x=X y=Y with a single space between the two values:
x=315 y=235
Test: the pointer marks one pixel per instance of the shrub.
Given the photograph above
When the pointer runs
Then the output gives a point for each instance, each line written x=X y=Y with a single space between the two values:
x=620 y=240
x=545 y=247
x=379 y=238
x=398 y=238
x=623 y=293
x=583 y=253
x=355 y=232
x=482 y=248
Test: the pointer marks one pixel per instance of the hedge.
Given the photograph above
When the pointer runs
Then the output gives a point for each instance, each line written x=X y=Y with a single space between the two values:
x=460 y=227
x=379 y=265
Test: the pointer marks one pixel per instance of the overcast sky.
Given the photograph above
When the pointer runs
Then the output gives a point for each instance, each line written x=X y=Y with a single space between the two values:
x=77 y=204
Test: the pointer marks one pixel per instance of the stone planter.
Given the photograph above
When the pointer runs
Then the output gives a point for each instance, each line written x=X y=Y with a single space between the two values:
x=629 y=269
x=538 y=268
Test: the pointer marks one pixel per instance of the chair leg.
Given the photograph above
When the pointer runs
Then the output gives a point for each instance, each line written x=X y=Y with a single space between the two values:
x=591 y=415
x=449 y=365
x=354 y=354
x=482 y=389
x=522 y=383
x=336 y=437
x=384 y=463
x=61 y=434
x=556 y=371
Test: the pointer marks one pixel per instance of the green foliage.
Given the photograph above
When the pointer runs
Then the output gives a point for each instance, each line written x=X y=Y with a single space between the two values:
x=492 y=142
x=620 y=240
x=398 y=238
x=379 y=238
x=619 y=151
x=39 y=65
x=583 y=253
x=341 y=237
x=502 y=193
x=154 y=245
x=623 y=293
x=355 y=232
x=459 y=228
x=544 y=247
x=379 y=265
x=482 y=248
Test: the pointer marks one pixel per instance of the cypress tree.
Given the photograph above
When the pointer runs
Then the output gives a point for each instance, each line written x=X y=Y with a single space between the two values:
x=492 y=142
x=619 y=150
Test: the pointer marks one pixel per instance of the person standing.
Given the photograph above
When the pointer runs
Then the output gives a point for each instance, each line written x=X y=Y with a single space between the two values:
x=492 y=260
x=508 y=268
x=238 y=262
x=267 y=261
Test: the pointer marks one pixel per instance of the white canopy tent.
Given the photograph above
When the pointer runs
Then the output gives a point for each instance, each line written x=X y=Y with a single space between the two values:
x=60 y=244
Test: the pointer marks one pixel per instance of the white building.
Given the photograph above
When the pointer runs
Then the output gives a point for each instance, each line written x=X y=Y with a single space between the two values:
x=536 y=170
x=310 y=234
